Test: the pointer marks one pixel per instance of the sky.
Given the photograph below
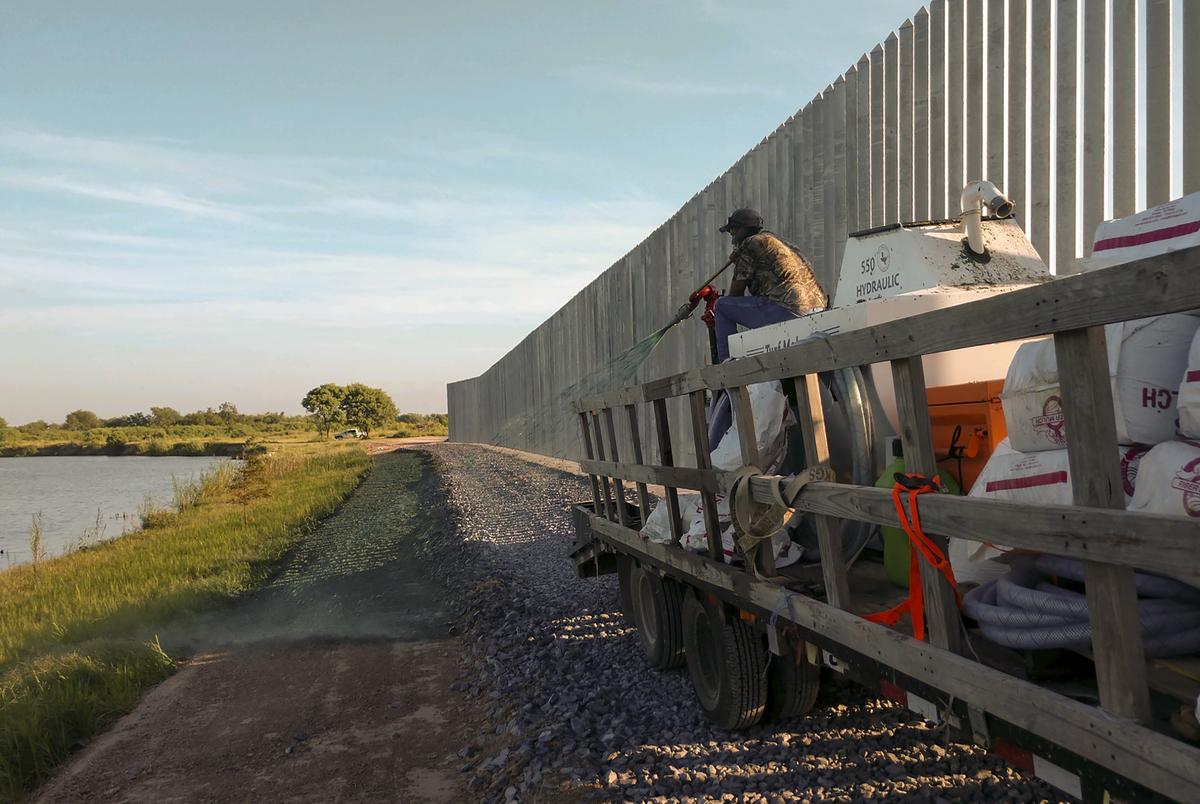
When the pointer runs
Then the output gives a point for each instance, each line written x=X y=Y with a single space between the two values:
x=211 y=201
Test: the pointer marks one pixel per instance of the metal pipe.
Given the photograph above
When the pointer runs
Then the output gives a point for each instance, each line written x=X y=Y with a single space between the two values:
x=975 y=196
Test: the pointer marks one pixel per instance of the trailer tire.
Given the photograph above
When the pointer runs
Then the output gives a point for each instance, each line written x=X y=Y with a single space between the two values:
x=792 y=684
x=657 y=605
x=625 y=568
x=727 y=663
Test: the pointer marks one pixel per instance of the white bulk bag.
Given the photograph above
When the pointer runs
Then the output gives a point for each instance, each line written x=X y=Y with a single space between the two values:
x=1169 y=480
x=1146 y=358
x=1042 y=478
x=1189 y=393
x=769 y=408
x=1167 y=227
x=658 y=524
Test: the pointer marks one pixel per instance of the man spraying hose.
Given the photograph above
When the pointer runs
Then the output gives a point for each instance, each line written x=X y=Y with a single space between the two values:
x=780 y=280
x=782 y=287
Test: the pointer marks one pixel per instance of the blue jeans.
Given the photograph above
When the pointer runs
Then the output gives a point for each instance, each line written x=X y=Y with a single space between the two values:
x=751 y=312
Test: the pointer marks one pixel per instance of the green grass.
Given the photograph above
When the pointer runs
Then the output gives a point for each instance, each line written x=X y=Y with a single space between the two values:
x=78 y=634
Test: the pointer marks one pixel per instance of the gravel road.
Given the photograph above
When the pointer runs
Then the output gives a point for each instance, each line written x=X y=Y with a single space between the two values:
x=575 y=710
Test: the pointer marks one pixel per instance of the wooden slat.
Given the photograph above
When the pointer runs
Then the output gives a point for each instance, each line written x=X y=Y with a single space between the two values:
x=816 y=453
x=937 y=110
x=704 y=461
x=1151 y=286
x=973 y=98
x=878 y=163
x=891 y=132
x=1065 y=133
x=1041 y=134
x=635 y=437
x=666 y=456
x=1095 y=159
x=1191 y=95
x=611 y=505
x=997 y=123
x=748 y=444
x=955 y=104
x=610 y=427
x=1151 y=542
x=1124 y=107
x=920 y=170
x=1158 y=101
x=587 y=450
x=677 y=477
x=1014 y=182
x=941 y=607
x=904 y=123
x=1160 y=763
x=862 y=123
x=1096 y=482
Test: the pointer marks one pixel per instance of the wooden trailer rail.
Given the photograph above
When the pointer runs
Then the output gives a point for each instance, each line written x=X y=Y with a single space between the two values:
x=1110 y=541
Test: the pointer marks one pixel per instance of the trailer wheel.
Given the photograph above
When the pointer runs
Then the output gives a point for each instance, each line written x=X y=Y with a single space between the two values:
x=727 y=664
x=656 y=607
x=793 y=683
x=625 y=568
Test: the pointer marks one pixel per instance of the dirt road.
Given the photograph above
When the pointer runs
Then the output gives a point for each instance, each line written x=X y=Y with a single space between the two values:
x=333 y=684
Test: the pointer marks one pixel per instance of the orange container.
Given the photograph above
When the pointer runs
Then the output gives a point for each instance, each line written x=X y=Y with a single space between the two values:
x=973 y=410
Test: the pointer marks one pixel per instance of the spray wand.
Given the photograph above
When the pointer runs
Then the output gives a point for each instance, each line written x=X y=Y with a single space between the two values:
x=708 y=294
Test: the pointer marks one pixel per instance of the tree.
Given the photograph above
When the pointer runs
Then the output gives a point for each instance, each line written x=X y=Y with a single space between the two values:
x=81 y=420
x=138 y=419
x=367 y=407
x=3 y=423
x=228 y=412
x=165 y=417
x=324 y=405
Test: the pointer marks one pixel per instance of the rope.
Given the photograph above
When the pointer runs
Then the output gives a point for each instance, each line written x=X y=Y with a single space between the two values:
x=919 y=544
x=756 y=522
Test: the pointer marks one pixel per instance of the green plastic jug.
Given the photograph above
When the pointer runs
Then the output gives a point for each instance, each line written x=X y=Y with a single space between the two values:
x=895 y=541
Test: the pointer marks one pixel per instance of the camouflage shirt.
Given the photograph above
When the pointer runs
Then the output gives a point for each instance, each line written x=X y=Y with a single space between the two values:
x=773 y=269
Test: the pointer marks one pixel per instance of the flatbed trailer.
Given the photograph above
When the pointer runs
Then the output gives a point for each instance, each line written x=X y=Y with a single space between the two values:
x=1103 y=735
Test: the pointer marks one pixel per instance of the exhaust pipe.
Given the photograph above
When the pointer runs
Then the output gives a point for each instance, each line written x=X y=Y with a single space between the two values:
x=975 y=196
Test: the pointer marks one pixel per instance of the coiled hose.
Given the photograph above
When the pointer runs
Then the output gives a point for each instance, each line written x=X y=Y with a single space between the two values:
x=1024 y=610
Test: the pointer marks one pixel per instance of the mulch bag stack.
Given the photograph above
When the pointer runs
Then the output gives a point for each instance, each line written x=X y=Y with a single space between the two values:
x=1146 y=359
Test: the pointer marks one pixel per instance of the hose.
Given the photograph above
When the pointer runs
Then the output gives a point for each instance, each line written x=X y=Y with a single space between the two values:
x=1024 y=610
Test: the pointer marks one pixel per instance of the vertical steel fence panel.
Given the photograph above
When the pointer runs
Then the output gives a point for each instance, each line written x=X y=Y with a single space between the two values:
x=1095 y=87
x=1041 y=134
x=891 y=134
x=973 y=125
x=1066 y=131
x=937 y=109
x=1016 y=144
x=862 y=123
x=1124 y=107
x=920 y=162
x=1158 y=101
x=904 y=124
x=995 y=57
x=955 y=104
x=878 y=166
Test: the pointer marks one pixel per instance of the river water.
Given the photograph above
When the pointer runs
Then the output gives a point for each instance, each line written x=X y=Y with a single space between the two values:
x=69 y=491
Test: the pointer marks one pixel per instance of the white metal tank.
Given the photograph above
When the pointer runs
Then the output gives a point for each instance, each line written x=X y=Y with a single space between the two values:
x=907 y=269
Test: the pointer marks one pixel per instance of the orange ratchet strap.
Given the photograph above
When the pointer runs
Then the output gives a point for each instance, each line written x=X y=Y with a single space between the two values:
x=916 y=485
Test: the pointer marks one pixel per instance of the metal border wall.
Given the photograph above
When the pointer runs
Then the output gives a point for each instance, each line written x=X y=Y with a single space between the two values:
x=1023 y=92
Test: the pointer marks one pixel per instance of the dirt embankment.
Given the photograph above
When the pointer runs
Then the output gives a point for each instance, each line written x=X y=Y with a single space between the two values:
x=332 y=684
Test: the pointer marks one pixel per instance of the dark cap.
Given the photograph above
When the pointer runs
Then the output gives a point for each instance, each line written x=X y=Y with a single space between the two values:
x=743 y=217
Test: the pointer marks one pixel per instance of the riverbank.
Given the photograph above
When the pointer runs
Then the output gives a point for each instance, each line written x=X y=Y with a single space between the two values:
x=335 y=681
x=79 y=635
x=178 y=449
